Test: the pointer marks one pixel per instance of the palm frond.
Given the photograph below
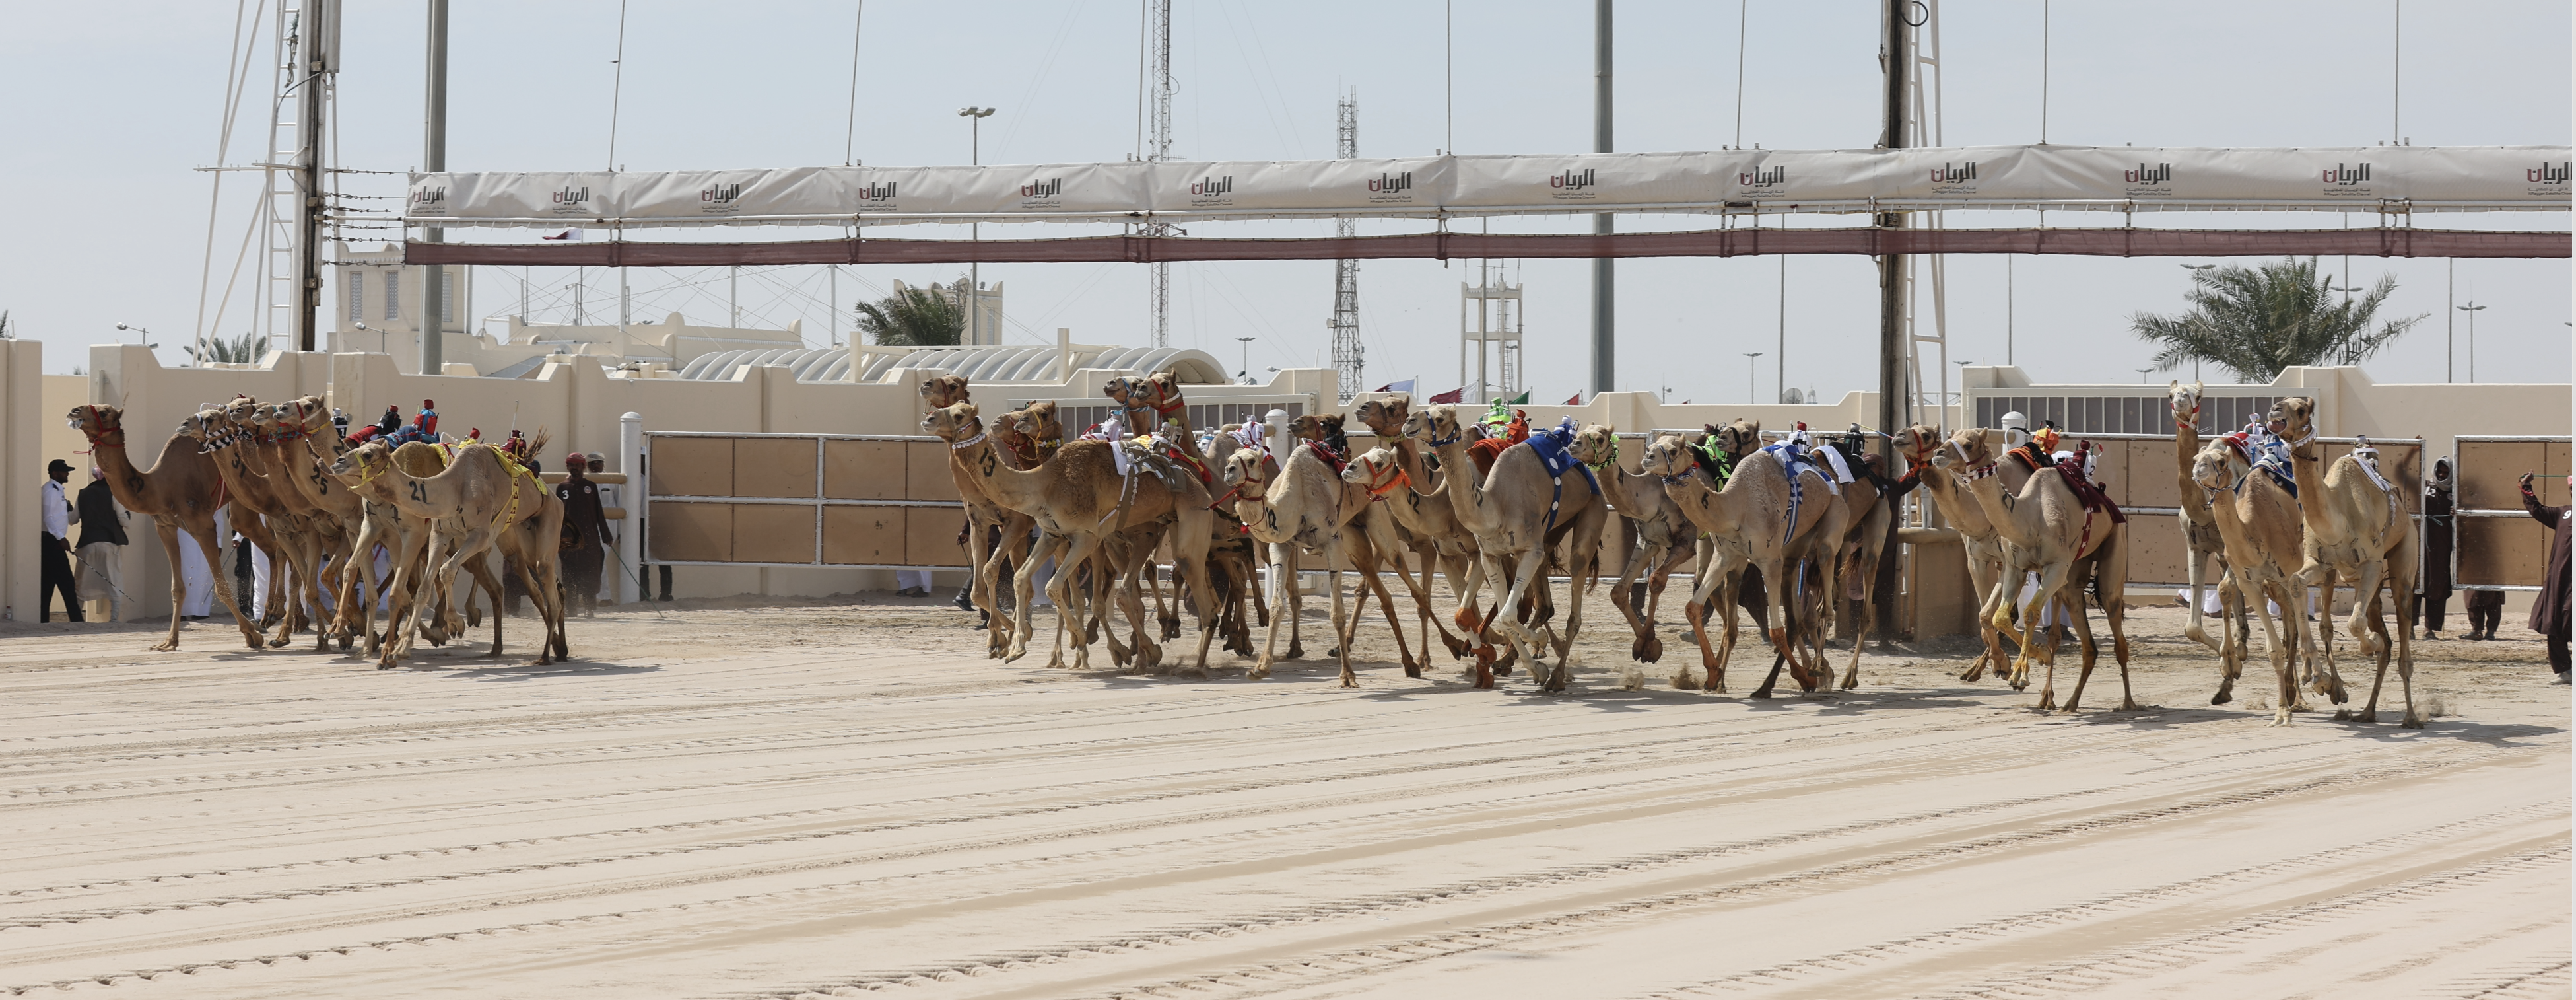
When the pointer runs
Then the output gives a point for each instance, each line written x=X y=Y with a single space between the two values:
x=2256 y=321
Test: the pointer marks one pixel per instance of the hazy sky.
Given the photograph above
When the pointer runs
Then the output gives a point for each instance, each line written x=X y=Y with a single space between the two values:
x=116 y=103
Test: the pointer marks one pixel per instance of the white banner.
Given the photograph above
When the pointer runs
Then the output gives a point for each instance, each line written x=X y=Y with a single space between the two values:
x=2112 y=178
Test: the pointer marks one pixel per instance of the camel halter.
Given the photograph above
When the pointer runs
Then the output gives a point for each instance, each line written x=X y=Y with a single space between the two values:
x=1378 y=491
x=99 y=439
x=969 y=442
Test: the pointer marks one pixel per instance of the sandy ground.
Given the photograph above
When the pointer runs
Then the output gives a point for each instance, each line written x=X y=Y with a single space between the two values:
x=757 y=800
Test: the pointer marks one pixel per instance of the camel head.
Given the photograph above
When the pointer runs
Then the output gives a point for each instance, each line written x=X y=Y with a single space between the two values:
x=373 y=455
x=1917 y=443
x=944 y=390
x=308 y=412
x=1008 y=431
x=1155 y=390
x=1436 y=423
x=1316 y=428
x=1243 y=474
x=1668 y=457
x=2211 y=468
x=2184 y=401
x=1378 y=469
x=1386 y=415
x=2293 y=418
x=97 y=421
x=954 y=422
x=1969 y=449
x=241 y=410
x=1596 y=444
x=207 y=427
x=1038 y=420
x=1739 y=438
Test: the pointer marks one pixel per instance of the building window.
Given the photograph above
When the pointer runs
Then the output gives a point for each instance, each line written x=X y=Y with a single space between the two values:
x=357 y=294
x=393 y=295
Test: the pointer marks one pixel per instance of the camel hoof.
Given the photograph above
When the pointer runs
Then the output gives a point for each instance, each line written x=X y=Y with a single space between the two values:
x=164 y=647
x=2349 y=715
x=2221 y=698
x=1014 y=654
x=1411 y=670
x=1296 y=651
x=2412 y=721
x=1259 y=671
x=1763 y=693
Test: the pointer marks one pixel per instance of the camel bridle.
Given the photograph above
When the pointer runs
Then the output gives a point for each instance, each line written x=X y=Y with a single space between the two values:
x=1378 y=490
x=99 y=438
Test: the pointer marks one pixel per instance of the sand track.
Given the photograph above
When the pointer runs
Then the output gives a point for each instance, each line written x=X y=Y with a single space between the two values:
x=702 y=807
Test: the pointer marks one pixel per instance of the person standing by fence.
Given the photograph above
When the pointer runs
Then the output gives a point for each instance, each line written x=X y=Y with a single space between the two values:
x=2549 y=614
x=102 y=539
x=2437 y=546
x=54 y=549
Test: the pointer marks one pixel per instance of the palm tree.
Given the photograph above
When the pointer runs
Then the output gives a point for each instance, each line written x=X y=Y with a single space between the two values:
x=914 y=317
x=245 y=349
x=2256 y=321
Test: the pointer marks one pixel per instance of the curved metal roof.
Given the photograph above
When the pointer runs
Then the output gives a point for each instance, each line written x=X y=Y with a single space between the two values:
x=978 y=364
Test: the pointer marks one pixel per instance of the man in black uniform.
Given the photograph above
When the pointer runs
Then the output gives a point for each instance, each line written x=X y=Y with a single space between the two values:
x=586 y=539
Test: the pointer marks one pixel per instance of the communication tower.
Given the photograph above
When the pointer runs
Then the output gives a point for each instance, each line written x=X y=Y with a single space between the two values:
x=1345 y=324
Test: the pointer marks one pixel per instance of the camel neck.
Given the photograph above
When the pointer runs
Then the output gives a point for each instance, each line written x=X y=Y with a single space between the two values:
x=1988 y=492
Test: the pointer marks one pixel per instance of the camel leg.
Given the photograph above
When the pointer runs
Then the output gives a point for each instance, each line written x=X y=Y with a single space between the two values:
x=2277 y=645
x=1347 y=622
x=1643 y=627
x=1026 y=600
x=2329 y=682
x=1070 y=606
x=2195 y=563
x=2086 y=648
x=2052 y=584
x=1283 y=560
x=2402 y=564
x=1779 y=658
x=1661 y=578
x=2371 y=634
x=1386 y=602
x=1867 y=566
x=1191 y=568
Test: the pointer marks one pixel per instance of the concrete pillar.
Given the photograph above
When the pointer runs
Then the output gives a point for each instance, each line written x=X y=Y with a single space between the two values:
x=22 y=366
x=630 y=541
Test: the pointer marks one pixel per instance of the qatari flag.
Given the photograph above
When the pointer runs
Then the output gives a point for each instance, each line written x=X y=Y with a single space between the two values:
x=1451 y=396
x=569 y=234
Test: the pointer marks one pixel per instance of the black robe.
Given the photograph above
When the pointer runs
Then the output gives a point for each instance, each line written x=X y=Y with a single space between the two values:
x=2549 y=613
x=2437 y=541
x=585 y=529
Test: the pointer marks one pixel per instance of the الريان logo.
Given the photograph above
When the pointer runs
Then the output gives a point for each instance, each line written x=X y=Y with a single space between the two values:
x=1954 y=174
x=1391 y=183
x=1048 y=188
x=2146 y=179
x=721 y=195
x=2343 y=180
x=1573 y=185
x=2548 y=179
x=1758 y=177
x=571 y=201
x=1212 y=187
x=877 y=192
x=436 y=198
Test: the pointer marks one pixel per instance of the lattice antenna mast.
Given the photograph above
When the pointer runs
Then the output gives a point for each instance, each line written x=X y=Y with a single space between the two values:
x=1345 y=324
x=1161 y=280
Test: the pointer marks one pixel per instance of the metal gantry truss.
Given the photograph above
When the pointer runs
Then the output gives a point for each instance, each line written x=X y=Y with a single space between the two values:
x=1159 y=283
x=1348 y=354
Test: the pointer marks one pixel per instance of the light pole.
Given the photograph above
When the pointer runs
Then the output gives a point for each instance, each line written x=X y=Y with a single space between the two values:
x=1246 y=373
x=141 y=335
x=1751 y=393
x=2198 y=270
x=2347 y=290
x=2142 y=374
x=975 y=271
x=2473 y=309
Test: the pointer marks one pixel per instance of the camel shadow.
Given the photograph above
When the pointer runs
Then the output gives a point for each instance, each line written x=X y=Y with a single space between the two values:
x=531 y=671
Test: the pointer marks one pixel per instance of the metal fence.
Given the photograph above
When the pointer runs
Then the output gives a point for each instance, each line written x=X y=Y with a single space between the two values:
x=2496 y=545
x=844 y=501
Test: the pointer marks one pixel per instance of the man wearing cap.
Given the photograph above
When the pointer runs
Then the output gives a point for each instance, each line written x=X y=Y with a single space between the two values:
x=102 y=534
x=56 y=546
x=585 y=533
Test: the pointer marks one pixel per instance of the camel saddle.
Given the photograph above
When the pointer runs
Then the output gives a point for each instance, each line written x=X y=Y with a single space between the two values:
x=1485 y=450
x=2072 y=471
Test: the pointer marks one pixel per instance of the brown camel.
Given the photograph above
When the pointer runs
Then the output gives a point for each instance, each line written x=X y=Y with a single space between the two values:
x=2358 y=530
x=288 y=433
x=180 y=492
x=1395 y=471
x=1748 y=512
x=1076 y=500
x=1976 y=534
x=2200 y=541
x=2045 y=528
x=275 y=521
x=985 y=549
x=1666 y=540
x=1520 y=513
x=2258 y=522
x=482 y=500
x=1306 y=508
